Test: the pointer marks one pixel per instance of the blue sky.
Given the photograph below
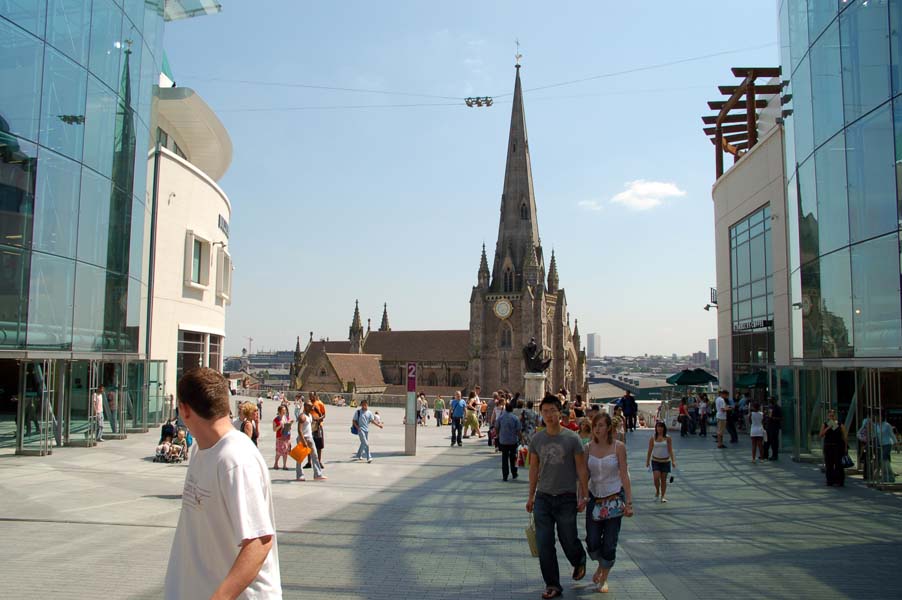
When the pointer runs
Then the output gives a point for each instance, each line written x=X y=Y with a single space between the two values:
x=392 y=204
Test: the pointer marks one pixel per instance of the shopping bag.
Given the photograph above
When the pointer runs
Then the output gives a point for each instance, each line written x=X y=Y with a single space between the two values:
x=531 y=536
x=522 y=456
x=299 y=452
x=446 y=417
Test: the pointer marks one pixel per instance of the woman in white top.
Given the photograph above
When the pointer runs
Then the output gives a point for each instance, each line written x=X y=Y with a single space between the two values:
x=610 y=496
x=756 y=432
x=660 y=456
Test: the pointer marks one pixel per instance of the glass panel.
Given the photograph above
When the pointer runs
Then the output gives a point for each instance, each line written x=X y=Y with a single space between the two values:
x=872 y=176
x=865 y=58
x=807 y=212
x=93 y=221
x=195 y=261
x=149 y=87
x=68 y=25
x=140 y=177
x=795 y=312
x=836 y=305
x=792 y=222
x=100 y=127
x=80 y=393
x=875 y=289
x=90 y=295
x=50 y=302
x=798 y=29
x=743 y=310
x=113 y=380
x=756 y=254
x=743 y=292
x=136 y=315
x=811 y=310
x=895 y=19
x=734 y=271
x=190 y=352
x=116 y=305
x=25 y=13
x=120 y=231
x=18 y=173
x=35 y=407
x=153 y=25
x=801 y=101
x=134 y=10
x=216 y=351
x=136 y=242
x=826 y=85
x=13 y=296
x=156 y=390
x=132 y=61
x=56 y=206
x=759 y=308
x=897 y=119
x=106 y=42
x=63 y=105
x=21 y=72
x=832 y=200
x=820 y=13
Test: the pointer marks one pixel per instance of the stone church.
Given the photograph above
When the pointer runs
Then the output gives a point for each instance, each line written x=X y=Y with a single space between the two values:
x=514 y=302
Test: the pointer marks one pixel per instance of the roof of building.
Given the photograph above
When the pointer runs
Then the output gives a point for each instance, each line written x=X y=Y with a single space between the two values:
x=604 y=391
x=341 y=347
x=437 y=345
x=184 y=113
x=362 y=369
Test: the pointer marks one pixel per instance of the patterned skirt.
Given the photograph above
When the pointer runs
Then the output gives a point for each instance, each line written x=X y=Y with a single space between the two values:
x=283 y=446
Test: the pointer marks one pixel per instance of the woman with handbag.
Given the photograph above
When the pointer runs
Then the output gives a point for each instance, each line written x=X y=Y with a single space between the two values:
x=610 y=496
x=660 y=457
x=281 y=426
x=835 y=442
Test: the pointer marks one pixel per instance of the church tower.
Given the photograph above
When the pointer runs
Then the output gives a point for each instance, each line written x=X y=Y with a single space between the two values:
x=518 y=300
x=355 y=331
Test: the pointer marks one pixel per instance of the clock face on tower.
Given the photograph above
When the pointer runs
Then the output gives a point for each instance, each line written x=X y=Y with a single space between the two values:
x=503 y=308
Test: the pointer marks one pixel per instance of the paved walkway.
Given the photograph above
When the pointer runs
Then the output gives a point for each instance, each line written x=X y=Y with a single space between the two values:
x=88 y=523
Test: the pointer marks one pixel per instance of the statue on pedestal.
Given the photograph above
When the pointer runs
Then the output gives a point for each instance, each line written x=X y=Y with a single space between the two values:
x=535 y=361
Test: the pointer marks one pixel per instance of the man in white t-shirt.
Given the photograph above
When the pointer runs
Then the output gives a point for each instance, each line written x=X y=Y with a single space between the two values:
x=225 y=541
x=722 y=407
x=98 y=412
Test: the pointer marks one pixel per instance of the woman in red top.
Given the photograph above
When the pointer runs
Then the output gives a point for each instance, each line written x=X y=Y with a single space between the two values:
x=281 y=425
x=684 y=418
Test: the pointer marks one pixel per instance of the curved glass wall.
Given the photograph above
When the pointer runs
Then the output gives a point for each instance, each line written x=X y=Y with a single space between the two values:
x=842 y=62
x=78 y=78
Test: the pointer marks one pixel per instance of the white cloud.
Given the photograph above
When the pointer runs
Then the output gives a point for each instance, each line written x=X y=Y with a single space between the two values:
x=591 y=205
x=645 y=195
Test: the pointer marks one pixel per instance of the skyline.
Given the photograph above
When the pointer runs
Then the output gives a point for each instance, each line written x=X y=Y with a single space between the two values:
x=356 y=202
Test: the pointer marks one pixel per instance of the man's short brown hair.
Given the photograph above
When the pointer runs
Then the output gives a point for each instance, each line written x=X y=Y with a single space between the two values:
x=206 y=391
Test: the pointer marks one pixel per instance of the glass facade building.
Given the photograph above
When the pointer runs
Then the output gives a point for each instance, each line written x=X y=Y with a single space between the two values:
x=842 y=72
x=78 y=78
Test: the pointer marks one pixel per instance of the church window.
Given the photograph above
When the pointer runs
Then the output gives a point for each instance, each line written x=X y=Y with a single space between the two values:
x=504 y=372
x=456 y=380
x=524 y=212
x=514 y=149
x=508 y=280
x=506 y=337
x=322 y=372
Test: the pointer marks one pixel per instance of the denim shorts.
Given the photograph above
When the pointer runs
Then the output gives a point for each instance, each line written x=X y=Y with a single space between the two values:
x=660 y=465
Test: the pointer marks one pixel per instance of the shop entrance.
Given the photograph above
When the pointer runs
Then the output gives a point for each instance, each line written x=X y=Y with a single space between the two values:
x=37 y=424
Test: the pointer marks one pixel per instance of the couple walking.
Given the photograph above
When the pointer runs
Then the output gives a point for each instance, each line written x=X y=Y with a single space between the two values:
x=565 y=479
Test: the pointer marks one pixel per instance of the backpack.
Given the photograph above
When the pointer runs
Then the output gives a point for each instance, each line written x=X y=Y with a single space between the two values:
x=354 y=430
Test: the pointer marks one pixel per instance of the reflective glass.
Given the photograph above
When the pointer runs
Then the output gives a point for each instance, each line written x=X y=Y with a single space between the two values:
x=56 y=205
x=875 y=289
x=140 y=176
x=795 y=312
x=756 y=255
x=100 y=127
x=13 y=296
x=897 y=119
x=134 y=10
x=136 y=315
x=792 y=223
x=120 y=231
x=808 y=230
x=63 y=105
x=801 y=102
x=136 y=242
x=106 y=42
x=115 y=306
x=68 y=27
x=153 y=26
x=832 y=199
x=743 y=264
x=836 y=305
x=798 y=30
x=826 y=85
x=94 y=218
x=18 y=175
x=895 y=20
x=872 y=180
x=21 y=72
x=28 y=14
x=52 y=282
x=865 y=57
x=90 y=295
x=149 y=85
x=811 y=309
x=820 y=13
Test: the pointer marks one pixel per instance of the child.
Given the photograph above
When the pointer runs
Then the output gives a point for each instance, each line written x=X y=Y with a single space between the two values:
x=179 y=447
x=377 y=418
x=164 y=449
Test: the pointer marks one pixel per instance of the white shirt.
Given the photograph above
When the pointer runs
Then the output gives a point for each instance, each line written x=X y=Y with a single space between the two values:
x=721 y=413
x=757 y=427
x=98 y=404
x=604 y=475
x=227 y=499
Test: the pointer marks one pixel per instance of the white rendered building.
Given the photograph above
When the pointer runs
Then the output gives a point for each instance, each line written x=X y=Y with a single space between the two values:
x=192 y=270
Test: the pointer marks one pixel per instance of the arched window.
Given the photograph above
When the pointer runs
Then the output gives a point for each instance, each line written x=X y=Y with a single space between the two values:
x=504 y=372
x=505 y=339
x=524 y=212
x=508 y=280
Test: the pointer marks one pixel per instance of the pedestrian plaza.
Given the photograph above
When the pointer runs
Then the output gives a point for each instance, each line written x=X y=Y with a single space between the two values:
x=98 y=522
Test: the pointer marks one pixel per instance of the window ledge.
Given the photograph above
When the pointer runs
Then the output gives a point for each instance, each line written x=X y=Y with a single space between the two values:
x=196 y=286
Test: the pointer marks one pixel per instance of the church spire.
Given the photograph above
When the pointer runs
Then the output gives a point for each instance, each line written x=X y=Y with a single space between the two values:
x=518 y=227
x=553 y=281
x=355 y=331
x=483 y=276
x=385 y=326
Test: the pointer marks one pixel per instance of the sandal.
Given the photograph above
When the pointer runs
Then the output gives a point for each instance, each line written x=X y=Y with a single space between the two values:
x=552 y=593
x=579 y=572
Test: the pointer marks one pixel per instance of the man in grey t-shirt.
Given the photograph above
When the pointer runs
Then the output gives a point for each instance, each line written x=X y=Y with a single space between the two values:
x=558 y=489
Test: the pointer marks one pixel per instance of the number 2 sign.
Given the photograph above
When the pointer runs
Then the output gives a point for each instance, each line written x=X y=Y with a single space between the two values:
x=411 y=377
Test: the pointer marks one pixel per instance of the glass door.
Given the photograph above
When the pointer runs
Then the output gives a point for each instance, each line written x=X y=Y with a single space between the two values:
x=82 y=385
x=113 y=381
x=134 y=398
x=37 y=386
x=156 y=392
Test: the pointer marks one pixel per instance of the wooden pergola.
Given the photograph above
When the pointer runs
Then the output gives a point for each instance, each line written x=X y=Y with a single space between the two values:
x=736 y=132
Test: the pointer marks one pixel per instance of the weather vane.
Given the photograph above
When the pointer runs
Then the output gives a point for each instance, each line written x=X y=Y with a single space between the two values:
x=518 y=56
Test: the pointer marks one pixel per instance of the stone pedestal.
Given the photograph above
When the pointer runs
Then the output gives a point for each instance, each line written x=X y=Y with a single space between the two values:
x=534 y=386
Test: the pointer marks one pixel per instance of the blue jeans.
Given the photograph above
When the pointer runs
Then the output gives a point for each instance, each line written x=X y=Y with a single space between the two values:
x=457 y=427
x=601 y=538
x=314 y=460
x=364 y=444
x=560 y=511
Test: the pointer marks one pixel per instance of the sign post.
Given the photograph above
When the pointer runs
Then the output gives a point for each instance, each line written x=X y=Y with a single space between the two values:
x=410 y=422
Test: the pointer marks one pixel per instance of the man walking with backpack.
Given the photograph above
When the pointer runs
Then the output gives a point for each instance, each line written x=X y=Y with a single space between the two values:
x=362 y=419
x=458 y=412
